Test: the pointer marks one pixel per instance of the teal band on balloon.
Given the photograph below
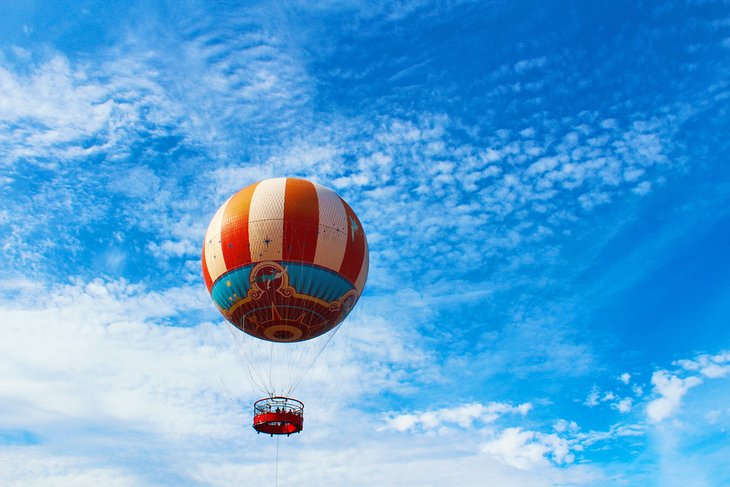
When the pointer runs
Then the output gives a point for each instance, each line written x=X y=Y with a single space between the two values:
x=307 y=279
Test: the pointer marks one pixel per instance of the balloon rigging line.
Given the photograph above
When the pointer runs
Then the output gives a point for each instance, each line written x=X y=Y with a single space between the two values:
x=254 y=378
x=223 y=384
x=310 y=364
x=271 y=367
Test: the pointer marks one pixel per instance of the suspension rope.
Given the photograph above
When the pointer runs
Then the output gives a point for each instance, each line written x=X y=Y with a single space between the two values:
x=276 y=477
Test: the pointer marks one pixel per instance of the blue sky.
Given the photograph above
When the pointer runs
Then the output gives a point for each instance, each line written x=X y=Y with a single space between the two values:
x=545 y=190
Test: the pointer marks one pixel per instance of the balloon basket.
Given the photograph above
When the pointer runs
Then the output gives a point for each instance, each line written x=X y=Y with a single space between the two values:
x=278 y=415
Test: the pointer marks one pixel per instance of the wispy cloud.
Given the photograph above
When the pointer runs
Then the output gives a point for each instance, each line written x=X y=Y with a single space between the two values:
x=462 y=415
x=32 y=466
x=53 y=111
x=518 y=446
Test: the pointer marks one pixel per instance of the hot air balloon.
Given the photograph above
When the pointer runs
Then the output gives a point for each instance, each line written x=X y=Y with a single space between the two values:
x=285 y=260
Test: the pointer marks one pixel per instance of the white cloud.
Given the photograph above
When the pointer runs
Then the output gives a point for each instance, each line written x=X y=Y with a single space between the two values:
x=392 y=461
x=100 y=352
x=528 y=449
x=713 y=367
x=642 y=188
x=670 y=388
x=464 y=416
x=593 y=398
x=96 y=355
x=528 y=64
x=172 y=248
x=59 y=112
x=394 y=170
x=624 y=405
x=62 y=106
x=562 y=425
x=616 y=431
x=34 y=467
x=510 y=444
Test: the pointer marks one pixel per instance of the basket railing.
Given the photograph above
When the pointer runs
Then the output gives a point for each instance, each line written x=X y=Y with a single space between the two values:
x=278 y=404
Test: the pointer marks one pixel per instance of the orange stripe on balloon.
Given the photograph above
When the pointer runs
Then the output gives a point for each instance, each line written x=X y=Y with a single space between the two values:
x=234 y=229
x=356 y=246
x=301 y=220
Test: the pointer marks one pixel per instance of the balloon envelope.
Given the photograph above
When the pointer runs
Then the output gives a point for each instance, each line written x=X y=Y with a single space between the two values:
x=285 y=259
